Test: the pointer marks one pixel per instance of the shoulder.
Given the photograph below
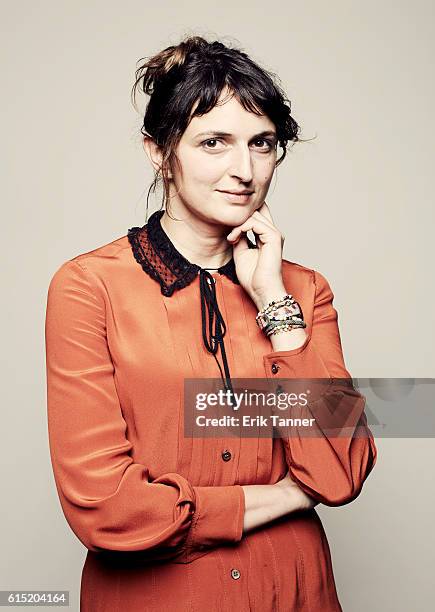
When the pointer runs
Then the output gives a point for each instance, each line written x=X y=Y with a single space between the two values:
x=302 y=279
x=93 y=264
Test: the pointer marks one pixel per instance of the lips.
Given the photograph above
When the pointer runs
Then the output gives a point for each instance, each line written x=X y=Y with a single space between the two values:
x=246 y=192
x=237 y=198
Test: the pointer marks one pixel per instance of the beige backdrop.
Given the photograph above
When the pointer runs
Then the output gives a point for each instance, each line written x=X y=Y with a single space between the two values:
x=360 y=76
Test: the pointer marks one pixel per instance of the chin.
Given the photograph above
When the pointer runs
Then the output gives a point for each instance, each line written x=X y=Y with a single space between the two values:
x=233 y=214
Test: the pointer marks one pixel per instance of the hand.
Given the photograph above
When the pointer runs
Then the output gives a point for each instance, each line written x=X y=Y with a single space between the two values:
x=259 y=270
x=303 y=501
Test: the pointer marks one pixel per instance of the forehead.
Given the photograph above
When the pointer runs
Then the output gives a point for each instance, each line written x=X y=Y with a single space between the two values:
x=229 y=116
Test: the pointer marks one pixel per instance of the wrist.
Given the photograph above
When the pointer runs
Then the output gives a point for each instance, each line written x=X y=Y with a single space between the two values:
x=272 y=294
x=288 y=340
x=290 y=498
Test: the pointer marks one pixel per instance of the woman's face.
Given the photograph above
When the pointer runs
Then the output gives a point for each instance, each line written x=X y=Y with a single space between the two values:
x=227 y=149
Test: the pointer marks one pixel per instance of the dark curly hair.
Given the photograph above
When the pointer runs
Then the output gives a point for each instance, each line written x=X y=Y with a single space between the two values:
x=196 y=71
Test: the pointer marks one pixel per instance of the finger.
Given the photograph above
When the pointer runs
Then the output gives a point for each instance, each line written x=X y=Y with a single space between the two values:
x=254 y=223
x=264 y=219
x=267 y=216
x=257 y=215
x=264 y=230
x=265 y=210
x=241 y=243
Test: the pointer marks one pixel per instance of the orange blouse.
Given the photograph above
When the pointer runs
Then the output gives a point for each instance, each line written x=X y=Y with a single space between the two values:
x=162 y=514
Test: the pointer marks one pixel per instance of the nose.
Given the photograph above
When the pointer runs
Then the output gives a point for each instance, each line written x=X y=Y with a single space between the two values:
x=241 y=163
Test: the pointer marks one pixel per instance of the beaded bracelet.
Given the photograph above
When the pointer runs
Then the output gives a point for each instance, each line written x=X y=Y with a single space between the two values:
x=274 y=328
x=287 y=299
x=280 y=315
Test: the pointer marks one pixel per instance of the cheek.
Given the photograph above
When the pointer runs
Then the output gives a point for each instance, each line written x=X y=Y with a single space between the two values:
x=264 y=172
x=197 y=170
x=205 y=171
x=264 y=179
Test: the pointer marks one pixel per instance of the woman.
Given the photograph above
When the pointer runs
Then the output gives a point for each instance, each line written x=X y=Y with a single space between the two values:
x=173 y=522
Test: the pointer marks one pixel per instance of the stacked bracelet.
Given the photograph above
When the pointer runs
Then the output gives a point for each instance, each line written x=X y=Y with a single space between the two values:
x=280 y=315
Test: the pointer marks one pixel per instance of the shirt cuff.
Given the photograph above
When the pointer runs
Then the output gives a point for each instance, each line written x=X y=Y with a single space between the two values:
x=302 y=363
x=219 y=516
x=295 y=363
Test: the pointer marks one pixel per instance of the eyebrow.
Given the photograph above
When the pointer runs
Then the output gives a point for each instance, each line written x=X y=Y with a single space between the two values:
x=219 y=133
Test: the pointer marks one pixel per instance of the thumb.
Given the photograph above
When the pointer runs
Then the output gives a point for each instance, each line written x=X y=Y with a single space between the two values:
x=241 y=244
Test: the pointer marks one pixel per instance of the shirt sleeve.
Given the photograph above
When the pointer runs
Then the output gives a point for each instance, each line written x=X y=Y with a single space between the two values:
x=329 y=468
x=108 y=499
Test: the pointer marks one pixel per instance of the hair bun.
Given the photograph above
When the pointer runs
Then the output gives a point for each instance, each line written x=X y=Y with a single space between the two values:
x=157 y=67
x=175 y=57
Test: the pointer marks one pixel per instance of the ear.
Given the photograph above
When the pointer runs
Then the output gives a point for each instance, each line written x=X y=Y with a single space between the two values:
x=154 y=153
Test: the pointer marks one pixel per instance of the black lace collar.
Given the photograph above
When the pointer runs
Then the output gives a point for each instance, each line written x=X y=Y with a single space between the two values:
x=159 y=258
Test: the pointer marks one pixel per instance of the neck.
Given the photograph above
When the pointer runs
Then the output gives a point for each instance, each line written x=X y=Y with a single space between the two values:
x=201 y=243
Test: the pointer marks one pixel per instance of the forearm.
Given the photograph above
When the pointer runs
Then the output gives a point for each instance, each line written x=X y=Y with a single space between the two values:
x=288 y=340
x=264 y=503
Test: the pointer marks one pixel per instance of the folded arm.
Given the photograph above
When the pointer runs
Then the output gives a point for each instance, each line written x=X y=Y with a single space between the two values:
x=330 y=468
x=108 y=499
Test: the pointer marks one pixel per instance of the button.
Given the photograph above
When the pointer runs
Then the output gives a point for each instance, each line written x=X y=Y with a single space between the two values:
x=235 y=574
x=226 y=455
x=275 y=368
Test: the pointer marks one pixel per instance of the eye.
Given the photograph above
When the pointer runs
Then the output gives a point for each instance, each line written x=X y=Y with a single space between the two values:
x=268 y=143
x=210 y=140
